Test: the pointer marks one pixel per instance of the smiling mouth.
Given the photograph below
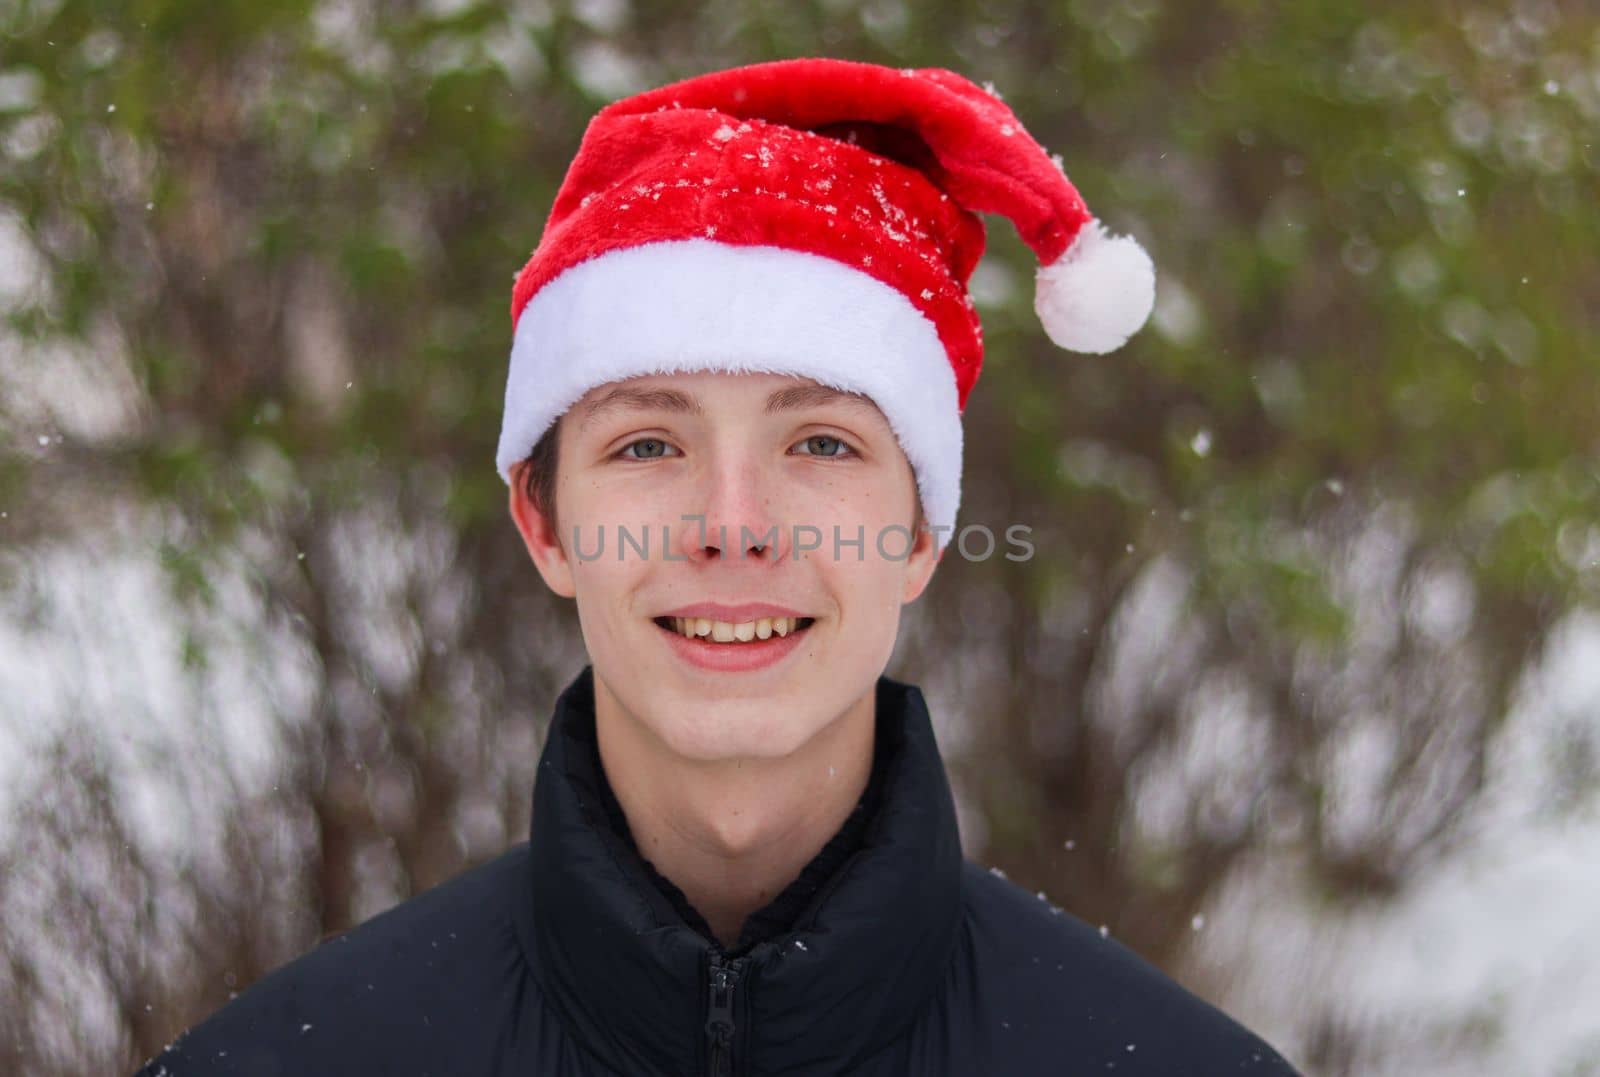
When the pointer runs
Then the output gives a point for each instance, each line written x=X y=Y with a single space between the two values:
x=721 y=632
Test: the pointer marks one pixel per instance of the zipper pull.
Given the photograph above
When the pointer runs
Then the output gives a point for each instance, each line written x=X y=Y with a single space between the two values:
x=720 y=982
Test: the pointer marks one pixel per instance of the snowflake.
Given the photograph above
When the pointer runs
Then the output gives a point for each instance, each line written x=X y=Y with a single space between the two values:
x=1007 y=130
x=889 y=209
x=723 y=133
x=988 y=88
x=927 y=293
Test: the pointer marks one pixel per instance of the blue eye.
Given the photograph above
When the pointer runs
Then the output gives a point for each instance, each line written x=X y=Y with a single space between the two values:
x=824 y=439
x=652 y=445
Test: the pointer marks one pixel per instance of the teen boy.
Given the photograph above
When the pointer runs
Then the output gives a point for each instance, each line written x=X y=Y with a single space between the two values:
x=741 y=352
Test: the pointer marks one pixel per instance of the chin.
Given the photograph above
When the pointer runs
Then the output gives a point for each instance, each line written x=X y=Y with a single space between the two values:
x=745 y=730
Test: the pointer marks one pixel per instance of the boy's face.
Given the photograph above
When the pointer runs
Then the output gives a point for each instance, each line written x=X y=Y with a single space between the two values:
x=644 y=453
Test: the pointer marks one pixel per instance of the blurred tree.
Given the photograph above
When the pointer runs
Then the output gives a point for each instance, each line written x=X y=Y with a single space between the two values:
x=1293 y=546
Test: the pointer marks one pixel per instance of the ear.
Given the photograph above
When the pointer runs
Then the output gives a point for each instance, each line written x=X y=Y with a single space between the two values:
x=920 y=563
x=543 y=544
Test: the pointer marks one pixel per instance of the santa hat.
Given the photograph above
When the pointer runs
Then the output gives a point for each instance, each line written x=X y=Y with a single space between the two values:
x=812 y=217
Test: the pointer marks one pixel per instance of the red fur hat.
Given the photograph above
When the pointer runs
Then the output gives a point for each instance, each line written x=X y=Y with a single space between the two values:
x=812 y=217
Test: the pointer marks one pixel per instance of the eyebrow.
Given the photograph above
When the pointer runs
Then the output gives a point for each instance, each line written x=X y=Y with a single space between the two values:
x=629 y=398
x=796 y=398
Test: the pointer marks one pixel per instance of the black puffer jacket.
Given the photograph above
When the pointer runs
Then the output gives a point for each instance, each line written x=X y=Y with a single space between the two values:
x=570 y=955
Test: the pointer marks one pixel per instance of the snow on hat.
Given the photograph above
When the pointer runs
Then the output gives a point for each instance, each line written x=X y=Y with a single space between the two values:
x=812 y=217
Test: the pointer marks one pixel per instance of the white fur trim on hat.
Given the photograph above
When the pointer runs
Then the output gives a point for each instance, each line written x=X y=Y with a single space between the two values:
x=677 y=306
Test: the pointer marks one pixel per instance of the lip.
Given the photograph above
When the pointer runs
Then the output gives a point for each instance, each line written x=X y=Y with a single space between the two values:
x=733 y=657
x=748 y=611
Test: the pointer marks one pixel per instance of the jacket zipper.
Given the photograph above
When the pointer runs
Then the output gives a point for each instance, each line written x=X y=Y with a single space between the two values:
x=721 y=981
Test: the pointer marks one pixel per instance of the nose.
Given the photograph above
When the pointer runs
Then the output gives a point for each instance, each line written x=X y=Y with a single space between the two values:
x=730 y=516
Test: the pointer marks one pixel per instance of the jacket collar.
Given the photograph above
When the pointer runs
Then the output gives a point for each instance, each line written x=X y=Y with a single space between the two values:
x=630 y=978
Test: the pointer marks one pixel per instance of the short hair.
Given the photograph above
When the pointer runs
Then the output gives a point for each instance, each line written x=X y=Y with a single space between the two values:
x=539 y=475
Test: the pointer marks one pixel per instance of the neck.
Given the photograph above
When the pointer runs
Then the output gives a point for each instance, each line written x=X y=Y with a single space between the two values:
x=732 y=833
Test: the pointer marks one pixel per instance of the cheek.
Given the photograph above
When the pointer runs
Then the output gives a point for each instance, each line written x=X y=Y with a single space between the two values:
x=881 y=517
x=643 y=508
x=867 y=581
x=605 y=587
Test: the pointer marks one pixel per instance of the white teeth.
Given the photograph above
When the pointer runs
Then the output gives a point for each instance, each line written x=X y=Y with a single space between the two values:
x=729 y=632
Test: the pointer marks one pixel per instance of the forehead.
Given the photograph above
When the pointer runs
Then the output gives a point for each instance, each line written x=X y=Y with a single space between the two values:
x=690 y=393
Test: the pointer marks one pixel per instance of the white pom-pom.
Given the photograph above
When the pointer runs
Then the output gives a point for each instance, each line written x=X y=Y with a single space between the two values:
x=1096 y=295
